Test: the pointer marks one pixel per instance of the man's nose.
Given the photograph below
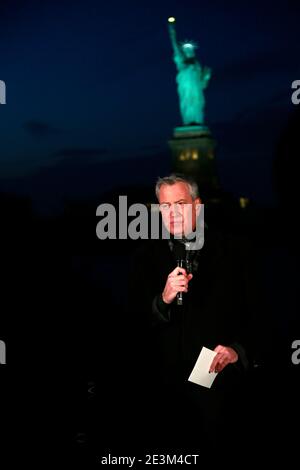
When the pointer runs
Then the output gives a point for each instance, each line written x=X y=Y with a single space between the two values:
x=174 y=211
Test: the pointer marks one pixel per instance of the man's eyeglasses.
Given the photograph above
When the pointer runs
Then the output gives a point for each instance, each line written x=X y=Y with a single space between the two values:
x=166 y=206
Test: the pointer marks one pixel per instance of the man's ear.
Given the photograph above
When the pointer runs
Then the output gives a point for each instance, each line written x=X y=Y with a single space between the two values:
x=198 y=204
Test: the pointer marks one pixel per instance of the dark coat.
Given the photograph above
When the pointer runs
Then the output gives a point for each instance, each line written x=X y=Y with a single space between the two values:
x=218 y=309
x=222 y=306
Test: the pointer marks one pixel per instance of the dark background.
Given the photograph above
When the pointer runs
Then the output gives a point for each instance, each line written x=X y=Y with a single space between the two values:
x=91 y=104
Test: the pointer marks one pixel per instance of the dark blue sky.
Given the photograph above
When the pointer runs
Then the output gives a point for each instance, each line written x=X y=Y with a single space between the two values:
x=92 y=81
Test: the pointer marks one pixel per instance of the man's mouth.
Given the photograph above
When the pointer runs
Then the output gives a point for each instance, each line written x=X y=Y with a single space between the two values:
x=175 y=222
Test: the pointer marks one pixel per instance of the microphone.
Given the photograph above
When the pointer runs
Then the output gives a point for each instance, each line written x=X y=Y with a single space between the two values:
x=181 y=263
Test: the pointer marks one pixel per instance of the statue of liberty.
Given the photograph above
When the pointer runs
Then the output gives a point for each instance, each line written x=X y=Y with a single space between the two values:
x=191 y=79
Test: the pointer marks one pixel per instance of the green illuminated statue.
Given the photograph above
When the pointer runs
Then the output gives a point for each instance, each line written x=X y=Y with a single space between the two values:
x=191 y=79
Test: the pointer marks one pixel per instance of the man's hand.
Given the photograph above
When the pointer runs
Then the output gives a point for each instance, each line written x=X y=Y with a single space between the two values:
x=225 y=355
x=177 y=281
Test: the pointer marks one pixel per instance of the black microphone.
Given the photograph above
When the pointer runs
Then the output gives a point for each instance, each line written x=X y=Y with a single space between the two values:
x=179 y=250
x=180 y=264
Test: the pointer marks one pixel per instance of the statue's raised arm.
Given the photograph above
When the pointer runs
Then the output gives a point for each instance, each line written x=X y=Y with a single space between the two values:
x=173 y=37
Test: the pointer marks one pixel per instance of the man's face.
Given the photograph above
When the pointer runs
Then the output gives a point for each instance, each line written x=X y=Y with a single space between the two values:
x=178 y=209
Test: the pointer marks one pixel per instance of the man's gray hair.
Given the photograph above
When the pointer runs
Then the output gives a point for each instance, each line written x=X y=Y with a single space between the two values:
x=178 y=178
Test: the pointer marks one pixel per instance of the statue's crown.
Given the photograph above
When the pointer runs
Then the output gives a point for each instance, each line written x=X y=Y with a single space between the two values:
x=189 y=44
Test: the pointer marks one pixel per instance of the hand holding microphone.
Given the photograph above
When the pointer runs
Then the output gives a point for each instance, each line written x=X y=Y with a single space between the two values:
x=177 y=283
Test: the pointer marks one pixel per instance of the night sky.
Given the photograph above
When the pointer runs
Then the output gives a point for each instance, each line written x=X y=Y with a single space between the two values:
x=92 y=100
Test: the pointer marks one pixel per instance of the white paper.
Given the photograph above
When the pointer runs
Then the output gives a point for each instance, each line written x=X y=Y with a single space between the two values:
x=200 y=374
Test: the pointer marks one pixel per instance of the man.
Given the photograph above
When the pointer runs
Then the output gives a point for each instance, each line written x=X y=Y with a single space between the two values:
x=214 y=313
x=174 y=194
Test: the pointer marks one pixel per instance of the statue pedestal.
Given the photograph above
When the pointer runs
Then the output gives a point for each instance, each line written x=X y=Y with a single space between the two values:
x=193 y=154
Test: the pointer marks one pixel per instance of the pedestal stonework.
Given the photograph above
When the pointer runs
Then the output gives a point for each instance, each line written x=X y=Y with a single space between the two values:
x=193 y=154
